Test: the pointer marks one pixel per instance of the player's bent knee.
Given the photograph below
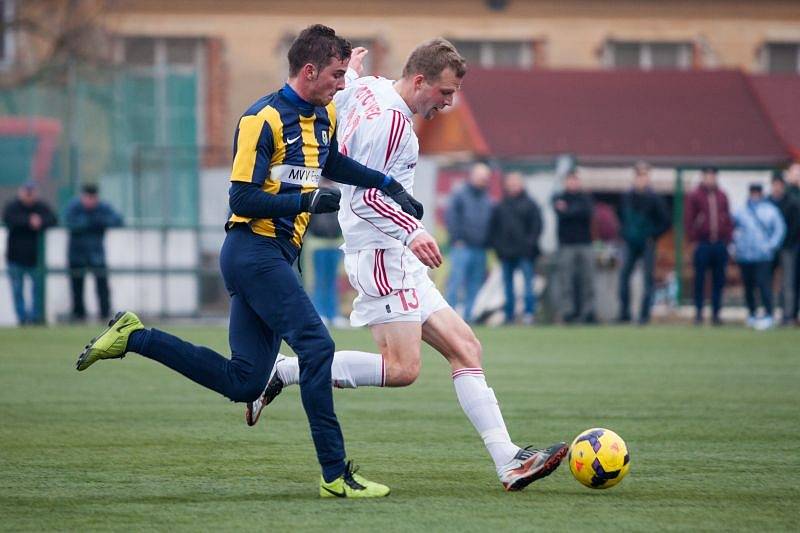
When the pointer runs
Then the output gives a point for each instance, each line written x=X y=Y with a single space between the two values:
x=405 y=378
x=405 y=374
x=249 y=390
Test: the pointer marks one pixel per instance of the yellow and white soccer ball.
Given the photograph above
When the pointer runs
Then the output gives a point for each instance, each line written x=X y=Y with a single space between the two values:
x=599 y=458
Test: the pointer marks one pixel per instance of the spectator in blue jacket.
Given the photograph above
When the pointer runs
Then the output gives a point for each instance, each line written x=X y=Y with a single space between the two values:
x=87 y=219
x=467 y=217
x=758 y=234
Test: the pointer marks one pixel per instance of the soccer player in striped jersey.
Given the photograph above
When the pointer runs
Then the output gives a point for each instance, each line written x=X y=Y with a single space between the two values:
x=283 y=143
x=387 y=256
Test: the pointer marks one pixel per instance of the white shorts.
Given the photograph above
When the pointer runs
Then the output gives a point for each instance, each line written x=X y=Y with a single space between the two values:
x=393 y=286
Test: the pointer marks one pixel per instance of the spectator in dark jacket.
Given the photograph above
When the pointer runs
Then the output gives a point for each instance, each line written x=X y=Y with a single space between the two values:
x=516 y=226
x=644 y=219
x=574 y=209
x=709 y=226
x=787 y=255
x=467 y=219
x=793 y=190
x=325 y=227
x=87 y=219
x=27 y=218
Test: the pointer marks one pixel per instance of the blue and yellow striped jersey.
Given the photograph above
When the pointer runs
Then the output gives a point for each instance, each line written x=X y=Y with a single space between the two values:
x=282 y=149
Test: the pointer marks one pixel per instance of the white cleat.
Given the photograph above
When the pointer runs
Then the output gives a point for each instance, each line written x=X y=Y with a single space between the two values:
x=274 y=387
x=531 y=464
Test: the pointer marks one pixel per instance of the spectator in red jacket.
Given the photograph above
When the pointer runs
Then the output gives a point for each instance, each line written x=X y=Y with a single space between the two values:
x=709 y=226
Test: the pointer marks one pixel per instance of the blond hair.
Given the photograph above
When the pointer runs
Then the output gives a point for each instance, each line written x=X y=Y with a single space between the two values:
x=433 y=57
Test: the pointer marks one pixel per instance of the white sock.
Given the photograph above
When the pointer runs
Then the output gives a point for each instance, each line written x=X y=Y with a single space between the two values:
x=481 y=407
x=350 y=369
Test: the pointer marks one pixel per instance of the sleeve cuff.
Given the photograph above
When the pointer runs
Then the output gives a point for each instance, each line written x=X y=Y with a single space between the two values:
x=351 y=75
x=413 y=235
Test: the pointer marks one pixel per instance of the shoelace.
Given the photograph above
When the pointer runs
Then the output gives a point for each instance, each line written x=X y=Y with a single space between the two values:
x=349 y=470
x=527 y=452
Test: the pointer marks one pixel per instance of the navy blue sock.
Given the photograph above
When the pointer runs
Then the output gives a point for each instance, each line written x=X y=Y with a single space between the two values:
x=138 y=340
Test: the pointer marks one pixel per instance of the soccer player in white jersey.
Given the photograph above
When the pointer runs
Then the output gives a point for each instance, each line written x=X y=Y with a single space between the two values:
x=387 y=256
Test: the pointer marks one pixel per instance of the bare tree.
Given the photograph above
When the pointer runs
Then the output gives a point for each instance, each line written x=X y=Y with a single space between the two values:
x=53 y=35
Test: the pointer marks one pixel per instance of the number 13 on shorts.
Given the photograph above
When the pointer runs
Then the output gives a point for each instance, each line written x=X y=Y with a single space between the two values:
x=408 y=299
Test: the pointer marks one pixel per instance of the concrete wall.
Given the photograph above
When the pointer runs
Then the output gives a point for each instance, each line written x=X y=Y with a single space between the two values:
x=126 y=249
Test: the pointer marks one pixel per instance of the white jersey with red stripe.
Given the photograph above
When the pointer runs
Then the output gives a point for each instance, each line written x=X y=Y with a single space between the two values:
x=375 y=129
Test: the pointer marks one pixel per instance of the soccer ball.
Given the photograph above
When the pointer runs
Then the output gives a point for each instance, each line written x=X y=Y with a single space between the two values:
x=599 y=458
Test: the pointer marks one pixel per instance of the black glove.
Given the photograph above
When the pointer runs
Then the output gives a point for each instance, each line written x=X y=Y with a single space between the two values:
x=407 y=203
x=323 y=200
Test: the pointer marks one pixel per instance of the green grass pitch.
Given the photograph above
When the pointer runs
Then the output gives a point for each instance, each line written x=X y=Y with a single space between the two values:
x=711 y=418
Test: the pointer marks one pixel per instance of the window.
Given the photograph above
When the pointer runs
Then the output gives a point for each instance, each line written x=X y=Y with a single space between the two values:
x=510 y=54
x=6 y=35
x=160 y=93
x=162 y=90
x=647 y=56
x=781 y=58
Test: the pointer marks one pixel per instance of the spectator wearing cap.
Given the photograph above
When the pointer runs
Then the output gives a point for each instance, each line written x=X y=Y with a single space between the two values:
x=787 y=255
x=759 y=232
x=709 y=227
x=27 y=217
x=88 y=218
x=644 y=219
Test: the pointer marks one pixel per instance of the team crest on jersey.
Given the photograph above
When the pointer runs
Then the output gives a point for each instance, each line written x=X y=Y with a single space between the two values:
x=324 y=137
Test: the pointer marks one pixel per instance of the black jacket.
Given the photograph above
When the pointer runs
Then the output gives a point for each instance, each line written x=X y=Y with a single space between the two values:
x=516 y=226
x=23 y=241
x=575 y=224
x=789 y=206
x=644 y=217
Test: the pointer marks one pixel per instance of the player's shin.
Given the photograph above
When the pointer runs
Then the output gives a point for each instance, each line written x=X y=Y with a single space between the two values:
x=480 y=405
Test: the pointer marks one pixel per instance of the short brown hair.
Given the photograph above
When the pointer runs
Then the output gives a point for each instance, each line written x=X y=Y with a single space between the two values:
x=432 y=57
x=317 y=44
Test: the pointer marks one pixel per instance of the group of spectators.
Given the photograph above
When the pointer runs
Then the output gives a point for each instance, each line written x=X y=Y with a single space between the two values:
x=763 y=235
x=26 y=218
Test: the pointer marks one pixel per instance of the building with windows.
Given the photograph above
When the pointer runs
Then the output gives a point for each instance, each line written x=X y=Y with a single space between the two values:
x=143 y=95
x=757 y=37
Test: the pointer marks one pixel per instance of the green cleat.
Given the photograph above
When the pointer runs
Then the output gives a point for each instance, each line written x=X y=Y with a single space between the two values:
x=351 y=485
x=113 y=342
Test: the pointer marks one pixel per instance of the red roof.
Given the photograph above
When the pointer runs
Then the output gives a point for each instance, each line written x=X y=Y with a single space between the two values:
x=780 y=96
x=666 y=117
